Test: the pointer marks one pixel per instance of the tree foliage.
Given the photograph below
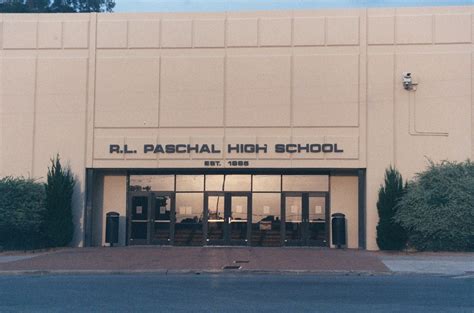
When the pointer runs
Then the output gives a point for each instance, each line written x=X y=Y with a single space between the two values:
x=56 y=6
x=390 y=234
x=58 y=225
x=438 y=207
x=22 y=206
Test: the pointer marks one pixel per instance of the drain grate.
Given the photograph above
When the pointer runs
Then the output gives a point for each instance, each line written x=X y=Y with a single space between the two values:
x=241 y=261
x=231 y=267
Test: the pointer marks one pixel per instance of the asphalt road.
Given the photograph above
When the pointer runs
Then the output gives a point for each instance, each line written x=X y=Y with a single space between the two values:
x=235 y=293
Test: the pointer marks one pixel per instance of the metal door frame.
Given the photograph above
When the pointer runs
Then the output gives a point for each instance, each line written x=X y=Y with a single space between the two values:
x=324 y=195
x=130 y=196
x=172 y=197
x=206 y=217
x=305 y=195
x=285 y=242
x=228 y=210
x=227 y=197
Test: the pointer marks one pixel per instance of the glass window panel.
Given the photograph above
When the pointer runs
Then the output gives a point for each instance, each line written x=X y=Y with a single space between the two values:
x=189 y=219
x=238 y=218
x=152 y=182
x=266 y=219
x=214 y=182
x=317 y=219
x=189 y=207
x=239 y=208
x=189 y=182
x=216 y=208
x=162 y=208
x=305 y=183
x=266 y=207
x=294 y=219
x=162 y=223
x=237 y=183
x=317 y=209
x=215 y=228
x=293 y=211
x=266 y=183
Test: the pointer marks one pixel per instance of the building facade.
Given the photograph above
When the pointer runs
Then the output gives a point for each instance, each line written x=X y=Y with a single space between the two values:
x=245 y=128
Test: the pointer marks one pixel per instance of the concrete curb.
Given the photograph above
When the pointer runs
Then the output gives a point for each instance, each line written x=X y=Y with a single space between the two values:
x=191 y=271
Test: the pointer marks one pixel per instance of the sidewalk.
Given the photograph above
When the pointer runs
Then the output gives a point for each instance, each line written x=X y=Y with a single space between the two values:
x=196 y=259
x=430 y=263
x=232 y=259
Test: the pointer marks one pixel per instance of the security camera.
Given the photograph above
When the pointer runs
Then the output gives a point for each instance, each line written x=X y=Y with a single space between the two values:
x=408 y=83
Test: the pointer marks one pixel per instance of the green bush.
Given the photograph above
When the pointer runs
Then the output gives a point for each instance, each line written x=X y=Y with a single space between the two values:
x=390 y=235
x=22 y=205
x=437 y=209
x=58 y=225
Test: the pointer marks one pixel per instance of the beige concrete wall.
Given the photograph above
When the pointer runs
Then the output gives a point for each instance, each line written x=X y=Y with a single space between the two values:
x=43 y=97
x=344 y=199
x=74 y=84
x=435 y=122
x=110 y=196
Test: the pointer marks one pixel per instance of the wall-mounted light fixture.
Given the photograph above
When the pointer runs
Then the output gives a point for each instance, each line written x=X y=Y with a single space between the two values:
x=408 y=82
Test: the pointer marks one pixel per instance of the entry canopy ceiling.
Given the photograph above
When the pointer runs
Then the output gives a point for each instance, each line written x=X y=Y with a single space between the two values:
x=252 y=5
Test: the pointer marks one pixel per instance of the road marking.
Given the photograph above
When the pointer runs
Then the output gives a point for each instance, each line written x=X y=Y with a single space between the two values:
x=470 y=276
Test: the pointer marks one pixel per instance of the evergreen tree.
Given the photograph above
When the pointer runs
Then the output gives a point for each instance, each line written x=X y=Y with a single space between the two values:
x=58 y=226
x=56 y=6
x=390 y=235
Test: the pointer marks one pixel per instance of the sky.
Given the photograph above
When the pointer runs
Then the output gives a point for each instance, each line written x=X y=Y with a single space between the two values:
x=251 y=5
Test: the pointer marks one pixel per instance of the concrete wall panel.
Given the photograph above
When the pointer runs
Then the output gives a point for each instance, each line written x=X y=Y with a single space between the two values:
x=242 y=32
x=258 y=91
x=344 y=199
x=326 y=90
x=192 y=91
x=309 y=31
x=49 y=34
x=144 y=34
x=275 y=32
x=177 y=33
x=127 y=92
x=76 y=34
x=112 y=34
x=343 y=30
x=18 y=34
x=209 y=33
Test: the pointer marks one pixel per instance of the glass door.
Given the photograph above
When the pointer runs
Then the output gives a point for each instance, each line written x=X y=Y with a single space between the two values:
x=139 y=218
x=318 y=220
x=306 y=219
x=237 y=228
x=163 y=218
x=227 y=218
x=293 y=218
x=214 y=204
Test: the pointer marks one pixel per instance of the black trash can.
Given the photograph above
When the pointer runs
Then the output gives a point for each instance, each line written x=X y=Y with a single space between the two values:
x=112 y=228
x=338 y=229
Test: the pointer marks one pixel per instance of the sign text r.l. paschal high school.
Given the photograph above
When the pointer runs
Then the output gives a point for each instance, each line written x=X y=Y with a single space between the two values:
x=231 y=148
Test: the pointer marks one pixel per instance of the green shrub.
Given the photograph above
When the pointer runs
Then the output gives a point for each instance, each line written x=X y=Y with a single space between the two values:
x=438 y=207
x=22 y=205
x=58 y=225
x=390 y=235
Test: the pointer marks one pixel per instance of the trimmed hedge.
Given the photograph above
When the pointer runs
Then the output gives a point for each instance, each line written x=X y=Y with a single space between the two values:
x=437 y=209
x=22 y=206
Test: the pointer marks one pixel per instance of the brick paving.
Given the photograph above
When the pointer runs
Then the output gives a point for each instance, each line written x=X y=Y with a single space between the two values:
x=199 y=259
